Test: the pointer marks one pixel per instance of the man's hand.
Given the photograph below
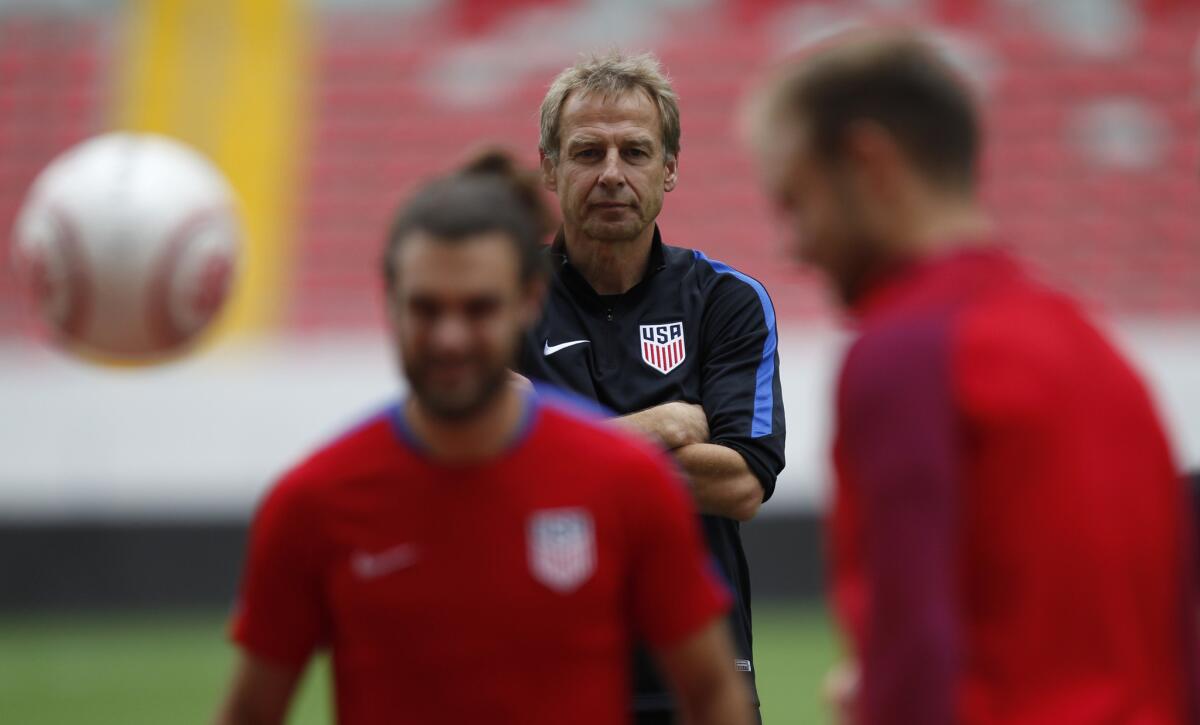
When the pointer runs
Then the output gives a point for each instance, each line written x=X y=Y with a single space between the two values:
x=670 y=425
x=700 y=669
x=841 y=693
x=519 y=381
x=259 y=694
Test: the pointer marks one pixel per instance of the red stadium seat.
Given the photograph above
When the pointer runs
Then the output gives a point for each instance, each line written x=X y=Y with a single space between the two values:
x=1128 y=237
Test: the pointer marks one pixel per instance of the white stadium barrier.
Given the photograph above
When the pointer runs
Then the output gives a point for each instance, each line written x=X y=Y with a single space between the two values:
x=203 y=436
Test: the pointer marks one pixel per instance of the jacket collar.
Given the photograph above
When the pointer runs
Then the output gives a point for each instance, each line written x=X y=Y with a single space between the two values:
x=657 y=263
x=579 y=287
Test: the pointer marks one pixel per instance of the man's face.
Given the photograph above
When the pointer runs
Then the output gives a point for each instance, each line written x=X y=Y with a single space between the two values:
x=612 y=170
x=823 y=210
x=457 y=311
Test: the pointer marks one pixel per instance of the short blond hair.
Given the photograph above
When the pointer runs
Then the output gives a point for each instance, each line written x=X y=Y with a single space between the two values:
x=611 y=73
x=896 y=78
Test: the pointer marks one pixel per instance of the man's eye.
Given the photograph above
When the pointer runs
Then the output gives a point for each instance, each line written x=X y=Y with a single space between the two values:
x=587 y=154
x=423 y=309
x=636 y=153
x=480 y=309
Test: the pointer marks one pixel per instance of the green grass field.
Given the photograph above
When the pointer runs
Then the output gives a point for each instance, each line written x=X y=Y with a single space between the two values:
x=125 y=670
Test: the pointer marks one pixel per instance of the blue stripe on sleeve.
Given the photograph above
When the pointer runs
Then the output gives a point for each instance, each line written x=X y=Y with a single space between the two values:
x=764 y=388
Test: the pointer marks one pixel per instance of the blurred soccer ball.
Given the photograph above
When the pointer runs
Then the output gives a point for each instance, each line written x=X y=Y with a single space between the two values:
x=127 y=245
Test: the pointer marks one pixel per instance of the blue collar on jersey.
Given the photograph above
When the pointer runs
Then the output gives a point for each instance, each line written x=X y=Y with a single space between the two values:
x=408 y=438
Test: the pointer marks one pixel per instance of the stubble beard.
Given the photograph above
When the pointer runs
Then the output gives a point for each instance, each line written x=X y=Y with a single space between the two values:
x=456 y=408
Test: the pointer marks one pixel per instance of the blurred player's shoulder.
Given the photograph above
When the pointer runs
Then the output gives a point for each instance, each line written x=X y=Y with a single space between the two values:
x=583 y=430
x=1029 y=344
x=990 y=328
x=605 y=463
x=917 y=319
x=358 y=451
x=936 y=288
x=569 y=403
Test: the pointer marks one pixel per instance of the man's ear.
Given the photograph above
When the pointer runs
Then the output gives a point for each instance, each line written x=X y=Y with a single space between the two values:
x=534 y=298
x=391 y=306
x=672 y=176
x=549 y=180
x=874 y=157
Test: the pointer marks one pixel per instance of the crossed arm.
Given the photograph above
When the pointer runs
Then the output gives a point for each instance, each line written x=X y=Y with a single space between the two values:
x=722 y=482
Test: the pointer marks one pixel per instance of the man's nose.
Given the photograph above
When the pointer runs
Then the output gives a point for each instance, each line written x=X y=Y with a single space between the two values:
x=451 y=333
x=612 y=176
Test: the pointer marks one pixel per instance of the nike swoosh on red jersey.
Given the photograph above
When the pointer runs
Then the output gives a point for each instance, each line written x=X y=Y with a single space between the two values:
x=372 y=566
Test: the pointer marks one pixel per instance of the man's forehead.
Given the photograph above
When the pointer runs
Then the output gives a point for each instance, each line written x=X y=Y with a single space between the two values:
x=482 y=260
x=780 y=146
x=629 y=109
x=627 y=134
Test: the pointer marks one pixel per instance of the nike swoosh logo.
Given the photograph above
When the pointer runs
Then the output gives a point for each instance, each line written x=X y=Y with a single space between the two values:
x=373 y=566
x=549 y=349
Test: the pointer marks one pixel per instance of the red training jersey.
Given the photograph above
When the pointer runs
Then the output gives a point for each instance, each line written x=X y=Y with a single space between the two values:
x=1009 y=533
x=507 y=592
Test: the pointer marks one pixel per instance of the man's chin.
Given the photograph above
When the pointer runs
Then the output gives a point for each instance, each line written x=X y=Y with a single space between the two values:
x=622 y=231
x=804 y=252
x=455 y=406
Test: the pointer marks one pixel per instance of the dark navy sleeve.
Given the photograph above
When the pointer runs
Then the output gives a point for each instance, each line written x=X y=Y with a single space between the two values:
x=901 y=441
x=739 y=385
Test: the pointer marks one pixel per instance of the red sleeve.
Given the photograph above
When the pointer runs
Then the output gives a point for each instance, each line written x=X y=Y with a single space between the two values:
x=280 y=613
x=899 y=448
x=676 y=588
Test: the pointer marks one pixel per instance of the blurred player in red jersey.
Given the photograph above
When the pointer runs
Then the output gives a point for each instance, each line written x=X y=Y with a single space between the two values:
x=478 y=553
x=1009 y=535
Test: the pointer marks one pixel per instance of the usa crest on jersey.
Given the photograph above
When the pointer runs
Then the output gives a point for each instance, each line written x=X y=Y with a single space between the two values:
x=662 y=346
x=562 y=548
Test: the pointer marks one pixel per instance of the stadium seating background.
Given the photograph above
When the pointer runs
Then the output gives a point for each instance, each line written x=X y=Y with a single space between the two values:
x=1093 y=131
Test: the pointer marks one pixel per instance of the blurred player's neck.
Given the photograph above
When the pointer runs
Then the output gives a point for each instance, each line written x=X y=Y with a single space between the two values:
x=938 y=223
x=610 y=267
x=483 y=435
x=926 y=227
